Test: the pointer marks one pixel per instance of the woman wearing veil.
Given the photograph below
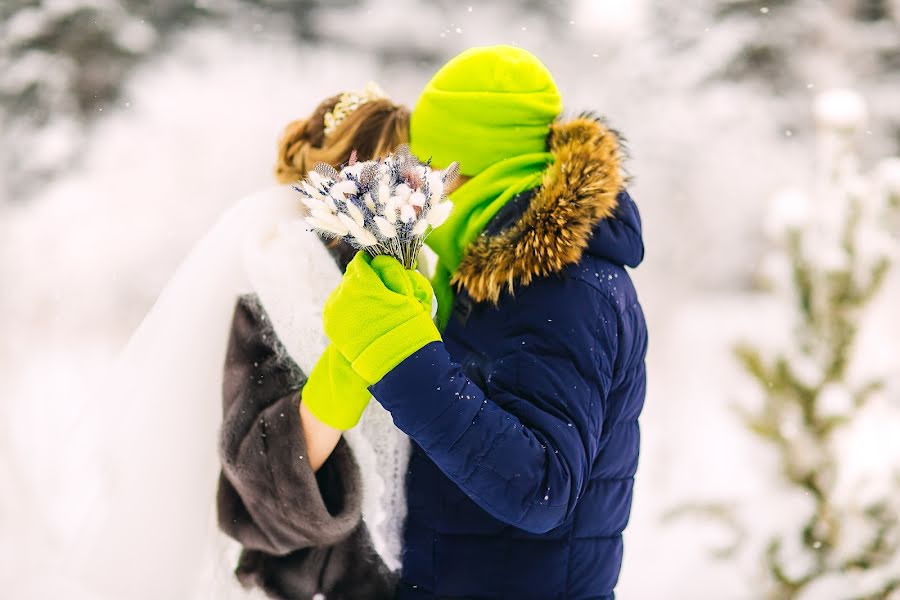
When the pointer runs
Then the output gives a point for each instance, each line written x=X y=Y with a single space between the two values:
x=313 y=491
x=317 y=518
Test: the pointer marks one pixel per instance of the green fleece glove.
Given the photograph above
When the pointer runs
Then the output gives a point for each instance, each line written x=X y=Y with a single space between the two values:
x=379 y=315
x=334 y=393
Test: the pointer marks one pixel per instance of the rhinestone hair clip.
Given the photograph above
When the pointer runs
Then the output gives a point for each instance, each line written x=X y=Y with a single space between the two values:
x=349 y=102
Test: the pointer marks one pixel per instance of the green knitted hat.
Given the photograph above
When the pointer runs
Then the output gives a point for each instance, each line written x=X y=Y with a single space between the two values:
x=487 y=104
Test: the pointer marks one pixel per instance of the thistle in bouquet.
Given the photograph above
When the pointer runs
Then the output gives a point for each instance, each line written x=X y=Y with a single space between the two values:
x=384 y=206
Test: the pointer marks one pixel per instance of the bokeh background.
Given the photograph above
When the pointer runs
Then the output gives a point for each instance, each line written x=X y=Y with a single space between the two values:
x=128 y=127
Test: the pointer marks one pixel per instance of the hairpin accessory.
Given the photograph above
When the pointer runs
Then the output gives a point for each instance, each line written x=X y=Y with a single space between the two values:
x=350 y=101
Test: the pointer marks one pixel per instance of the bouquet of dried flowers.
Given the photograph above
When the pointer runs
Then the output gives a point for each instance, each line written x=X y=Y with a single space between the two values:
x=384 y=206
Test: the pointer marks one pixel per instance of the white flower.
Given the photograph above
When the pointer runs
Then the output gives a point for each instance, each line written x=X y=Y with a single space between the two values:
x=407 y=213
x=342 y=189
x=420 y=227
x=385 y=227
x=354 y=170
x=312 y=191
x=392 y=208
x=435 y=183
x=355 y=214
x=314 y=178
x=403 y=191
x=330 y=221
x=312 y=203
x=363 y=237
x=439 y=213
x=417 y=199
x=384 y=193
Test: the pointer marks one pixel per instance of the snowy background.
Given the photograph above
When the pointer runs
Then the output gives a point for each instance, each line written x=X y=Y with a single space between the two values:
x=128 y=127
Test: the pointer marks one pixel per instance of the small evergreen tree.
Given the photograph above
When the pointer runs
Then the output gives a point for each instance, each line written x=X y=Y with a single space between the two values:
x=837 y=258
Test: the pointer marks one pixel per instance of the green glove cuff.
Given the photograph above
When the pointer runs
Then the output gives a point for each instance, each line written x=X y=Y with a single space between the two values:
x=392 y=348
x=334 y=393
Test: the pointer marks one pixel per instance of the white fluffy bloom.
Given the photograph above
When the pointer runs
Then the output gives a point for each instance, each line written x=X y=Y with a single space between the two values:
x=342 y=189
x=354 y=169
x=330 y=221
x=355 y=214
x=385 y=227
x=439 y=213
x=392 y=208
x=384 y=193
x=313 y=203
x=435 y=183
x=363 y=237
x=417 y=199
x=315 y=179
x=403 y=191
x=312 y=191
x=407 y=213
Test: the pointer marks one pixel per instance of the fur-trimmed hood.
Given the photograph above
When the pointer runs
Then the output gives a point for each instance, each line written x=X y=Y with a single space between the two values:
x=580 y=206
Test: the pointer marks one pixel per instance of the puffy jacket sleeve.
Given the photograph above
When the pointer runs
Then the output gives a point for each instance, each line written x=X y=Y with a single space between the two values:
x=301 y=531
x=521 y=445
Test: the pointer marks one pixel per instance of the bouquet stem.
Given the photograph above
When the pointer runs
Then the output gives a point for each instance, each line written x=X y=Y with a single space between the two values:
x=406 y=251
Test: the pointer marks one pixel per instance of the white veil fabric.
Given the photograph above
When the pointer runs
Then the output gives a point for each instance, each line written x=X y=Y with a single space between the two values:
x=151 y=530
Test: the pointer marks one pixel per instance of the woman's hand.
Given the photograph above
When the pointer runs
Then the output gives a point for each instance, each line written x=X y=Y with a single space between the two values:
x=379 y=315
x=321 y=438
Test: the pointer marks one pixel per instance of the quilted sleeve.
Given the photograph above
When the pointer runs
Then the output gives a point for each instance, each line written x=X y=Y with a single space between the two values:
x=521 y=447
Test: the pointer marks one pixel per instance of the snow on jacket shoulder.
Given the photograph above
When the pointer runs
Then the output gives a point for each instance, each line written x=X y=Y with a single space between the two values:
x=525 y=417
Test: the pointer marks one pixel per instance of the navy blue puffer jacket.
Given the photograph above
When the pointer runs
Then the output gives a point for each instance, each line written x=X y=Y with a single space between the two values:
x=524 y=420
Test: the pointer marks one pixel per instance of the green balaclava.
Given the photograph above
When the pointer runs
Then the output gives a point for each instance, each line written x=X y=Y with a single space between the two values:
x=490 y=109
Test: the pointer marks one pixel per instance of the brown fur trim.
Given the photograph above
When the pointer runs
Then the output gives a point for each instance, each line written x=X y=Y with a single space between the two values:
x=577 y=191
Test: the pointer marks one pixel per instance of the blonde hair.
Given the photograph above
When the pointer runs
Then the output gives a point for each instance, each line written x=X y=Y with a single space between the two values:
x=374 y=129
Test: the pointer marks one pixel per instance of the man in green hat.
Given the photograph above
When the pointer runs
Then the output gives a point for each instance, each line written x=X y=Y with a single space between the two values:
x=522 y=402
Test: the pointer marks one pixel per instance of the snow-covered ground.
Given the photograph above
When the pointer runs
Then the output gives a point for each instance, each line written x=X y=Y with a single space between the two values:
x=82 y=261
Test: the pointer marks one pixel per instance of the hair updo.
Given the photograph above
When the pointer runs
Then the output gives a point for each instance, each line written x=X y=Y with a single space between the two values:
x=374 y=129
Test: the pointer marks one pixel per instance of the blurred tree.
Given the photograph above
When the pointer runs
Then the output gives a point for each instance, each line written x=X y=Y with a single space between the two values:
x=789 y=47
x=837 y=254
x=61 y=63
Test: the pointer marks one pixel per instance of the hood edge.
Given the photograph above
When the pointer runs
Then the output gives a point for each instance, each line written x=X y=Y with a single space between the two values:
x=578 y=190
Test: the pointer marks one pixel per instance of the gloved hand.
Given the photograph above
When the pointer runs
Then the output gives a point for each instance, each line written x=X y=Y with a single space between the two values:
x=379 y=314
x=334 y=393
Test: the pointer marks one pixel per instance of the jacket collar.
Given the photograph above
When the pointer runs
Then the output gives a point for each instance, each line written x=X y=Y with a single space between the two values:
x=573 y=211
